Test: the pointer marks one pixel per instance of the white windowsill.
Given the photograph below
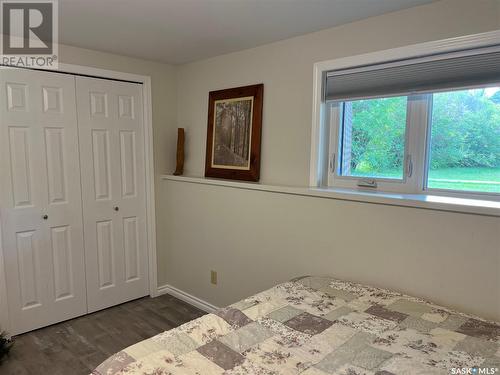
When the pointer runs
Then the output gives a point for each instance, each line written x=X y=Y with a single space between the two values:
x=432 y=202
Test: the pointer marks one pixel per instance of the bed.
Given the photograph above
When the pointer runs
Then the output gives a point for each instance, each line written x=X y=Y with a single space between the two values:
x=317 y=326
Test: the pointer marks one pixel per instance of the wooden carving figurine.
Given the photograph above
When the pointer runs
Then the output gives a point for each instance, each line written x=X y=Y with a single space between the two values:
x=179 y=169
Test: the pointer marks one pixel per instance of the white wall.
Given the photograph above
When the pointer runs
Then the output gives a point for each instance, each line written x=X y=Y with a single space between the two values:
x=285 y=68
x=255 y=239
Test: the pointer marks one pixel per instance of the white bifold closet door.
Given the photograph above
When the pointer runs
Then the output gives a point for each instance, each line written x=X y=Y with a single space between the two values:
x=40 y=199
x=110 y=124
x=72 y=195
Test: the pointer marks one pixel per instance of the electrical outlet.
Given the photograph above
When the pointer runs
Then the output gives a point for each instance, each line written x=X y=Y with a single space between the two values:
x=213 y=277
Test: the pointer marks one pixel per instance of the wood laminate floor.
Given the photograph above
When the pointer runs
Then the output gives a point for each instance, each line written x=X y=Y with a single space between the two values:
x=77 y=346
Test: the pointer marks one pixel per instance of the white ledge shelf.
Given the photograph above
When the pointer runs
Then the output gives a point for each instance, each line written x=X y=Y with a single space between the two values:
x=431 y=202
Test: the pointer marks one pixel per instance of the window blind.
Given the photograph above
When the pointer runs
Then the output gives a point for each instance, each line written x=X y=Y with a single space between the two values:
x=410 y=76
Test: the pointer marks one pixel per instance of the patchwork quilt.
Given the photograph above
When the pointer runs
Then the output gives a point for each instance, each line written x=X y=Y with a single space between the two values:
x=318 y=326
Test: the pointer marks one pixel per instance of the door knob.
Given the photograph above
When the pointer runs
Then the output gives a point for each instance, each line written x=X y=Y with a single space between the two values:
x=117 y=208
x=45 y=217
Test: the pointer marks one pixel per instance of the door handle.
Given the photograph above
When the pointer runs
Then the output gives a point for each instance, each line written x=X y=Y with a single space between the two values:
x=116 y=208
x=45 y=217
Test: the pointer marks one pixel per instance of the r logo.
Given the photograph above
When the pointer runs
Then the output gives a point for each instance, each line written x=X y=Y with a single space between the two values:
x=27 y=27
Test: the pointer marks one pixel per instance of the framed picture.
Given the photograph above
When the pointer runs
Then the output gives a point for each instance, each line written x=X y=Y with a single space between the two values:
x=234 y=131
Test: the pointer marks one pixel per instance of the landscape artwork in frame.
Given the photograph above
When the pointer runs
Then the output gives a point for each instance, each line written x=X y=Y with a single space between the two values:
x=234 y=133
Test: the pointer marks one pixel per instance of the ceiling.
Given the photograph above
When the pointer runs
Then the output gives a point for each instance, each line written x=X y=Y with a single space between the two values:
x=179 y=31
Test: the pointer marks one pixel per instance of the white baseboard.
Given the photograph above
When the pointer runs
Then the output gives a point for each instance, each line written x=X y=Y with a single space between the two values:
x=186 y=297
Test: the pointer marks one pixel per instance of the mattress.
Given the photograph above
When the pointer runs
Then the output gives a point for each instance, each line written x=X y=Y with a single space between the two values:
x=317 y=326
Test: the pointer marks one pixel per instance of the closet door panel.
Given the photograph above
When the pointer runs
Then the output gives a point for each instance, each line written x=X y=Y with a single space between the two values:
x=61 y=246
x=132 y=187
x=63 y=197
x=39 y=161
x=20 y=165
x=111 y=142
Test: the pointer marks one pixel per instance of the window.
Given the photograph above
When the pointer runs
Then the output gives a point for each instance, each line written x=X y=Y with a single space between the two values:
x=464 y=150
x=428 y=125
x=371 y=144
x=372 y=139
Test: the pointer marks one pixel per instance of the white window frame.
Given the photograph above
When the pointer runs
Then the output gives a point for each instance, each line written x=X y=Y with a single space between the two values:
x=410 y=181
x=325 y=138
